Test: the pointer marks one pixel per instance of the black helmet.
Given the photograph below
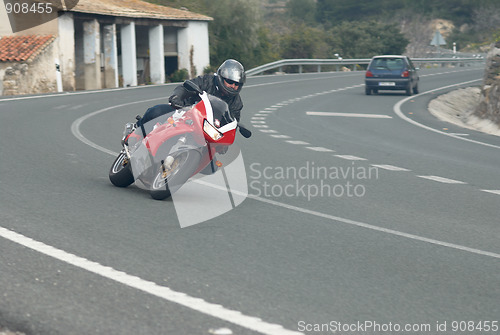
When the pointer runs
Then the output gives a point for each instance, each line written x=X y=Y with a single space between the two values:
x=231 y=70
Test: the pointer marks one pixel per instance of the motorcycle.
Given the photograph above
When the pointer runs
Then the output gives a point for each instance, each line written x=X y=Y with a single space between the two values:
x=178 y=148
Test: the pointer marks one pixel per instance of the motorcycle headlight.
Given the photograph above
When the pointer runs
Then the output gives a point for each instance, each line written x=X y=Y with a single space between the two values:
x=211 y=131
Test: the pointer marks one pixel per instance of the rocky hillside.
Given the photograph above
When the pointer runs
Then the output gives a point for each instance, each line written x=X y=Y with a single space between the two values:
x=489 y=105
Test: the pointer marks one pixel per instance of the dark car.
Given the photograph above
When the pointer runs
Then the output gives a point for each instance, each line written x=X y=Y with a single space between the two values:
x=391 y=72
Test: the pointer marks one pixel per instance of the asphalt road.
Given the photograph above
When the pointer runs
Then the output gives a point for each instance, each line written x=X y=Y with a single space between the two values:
x=376 y=219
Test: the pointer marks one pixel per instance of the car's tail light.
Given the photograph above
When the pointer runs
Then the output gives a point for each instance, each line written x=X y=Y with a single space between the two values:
x=369 y=74
x=405 y=74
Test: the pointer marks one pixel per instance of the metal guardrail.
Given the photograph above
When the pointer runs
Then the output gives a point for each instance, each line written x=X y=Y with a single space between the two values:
x=280 y=64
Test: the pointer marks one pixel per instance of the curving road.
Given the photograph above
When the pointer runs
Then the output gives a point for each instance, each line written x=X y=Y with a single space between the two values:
x=365 y=214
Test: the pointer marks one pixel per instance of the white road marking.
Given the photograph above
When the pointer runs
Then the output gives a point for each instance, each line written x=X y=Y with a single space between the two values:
x=351 y=158
x=398 y=112
x=492 y=191
x=364 y=225
x=372 y=116
x=459 y=134
x=297 y=142
x=75 y=127
x=442 y=180
x=320 y=149
x=376 y=228
x=265 y=112
x=260 y=125
x=258 y=117
x=268 y=131
x=280 y=136
x=197 y=304
x=389 y=167
x=253 y=121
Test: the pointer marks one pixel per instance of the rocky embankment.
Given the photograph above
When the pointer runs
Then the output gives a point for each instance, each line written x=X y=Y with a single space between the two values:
x=475 y=108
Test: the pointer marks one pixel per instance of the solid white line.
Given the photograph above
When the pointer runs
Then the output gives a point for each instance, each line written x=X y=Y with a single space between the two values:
x=197 y=304
x=67 y=94
x=361 y=224
x=442 y=180
x=390 y=167
x=376 y=228
x=398 y=112
x=373 y=116
x=492 y=191
x=320 y=149
x=75 y=126
x=351 y=158
x=200 y=305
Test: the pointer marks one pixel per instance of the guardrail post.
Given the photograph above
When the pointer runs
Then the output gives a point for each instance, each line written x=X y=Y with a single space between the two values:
x=319 y=67
x=300 y=69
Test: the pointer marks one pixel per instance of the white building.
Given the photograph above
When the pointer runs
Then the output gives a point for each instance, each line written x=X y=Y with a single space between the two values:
x=100 y=44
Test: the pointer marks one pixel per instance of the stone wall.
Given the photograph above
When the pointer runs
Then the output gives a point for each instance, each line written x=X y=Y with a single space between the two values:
x=36 y=76
x=489 y=105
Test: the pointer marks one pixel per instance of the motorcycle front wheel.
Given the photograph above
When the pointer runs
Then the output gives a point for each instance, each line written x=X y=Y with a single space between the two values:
x=167 y=180
x=120 y=173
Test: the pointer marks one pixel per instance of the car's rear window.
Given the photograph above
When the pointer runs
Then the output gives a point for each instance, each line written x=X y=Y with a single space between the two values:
x=388 y=64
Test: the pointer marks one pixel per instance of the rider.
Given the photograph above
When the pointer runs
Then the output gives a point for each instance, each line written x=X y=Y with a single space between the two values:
x=225 y=84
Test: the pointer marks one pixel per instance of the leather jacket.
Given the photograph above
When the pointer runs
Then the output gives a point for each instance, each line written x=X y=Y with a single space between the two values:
x=208 y=83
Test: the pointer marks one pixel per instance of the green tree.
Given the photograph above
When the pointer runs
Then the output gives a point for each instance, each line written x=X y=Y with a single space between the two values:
x=237 y=32
x=304 y=42
x=366 y=39
x=302 y=11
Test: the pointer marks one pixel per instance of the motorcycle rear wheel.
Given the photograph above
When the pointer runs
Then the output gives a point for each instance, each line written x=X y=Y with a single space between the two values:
x=167 y=181
x=120 y=173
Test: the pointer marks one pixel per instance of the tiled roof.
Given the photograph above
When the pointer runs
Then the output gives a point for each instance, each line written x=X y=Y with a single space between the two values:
x=22 y=48
x=136 y=9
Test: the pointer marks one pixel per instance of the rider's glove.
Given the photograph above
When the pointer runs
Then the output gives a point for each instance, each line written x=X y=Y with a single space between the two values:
x=175 y=101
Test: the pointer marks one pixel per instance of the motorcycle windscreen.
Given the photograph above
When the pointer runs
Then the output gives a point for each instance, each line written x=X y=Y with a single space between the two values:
x=206 y=197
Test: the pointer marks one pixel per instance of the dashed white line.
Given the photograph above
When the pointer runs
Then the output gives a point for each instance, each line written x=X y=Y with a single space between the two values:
x=389 y=167
x=253 y=121
x=372 y=116
x=268 y=131
x=280 y=136
x=443 y=180
x=260 y=125
x=350 y=157
x=497 y=192
x=297 y=142
x=320 y=149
